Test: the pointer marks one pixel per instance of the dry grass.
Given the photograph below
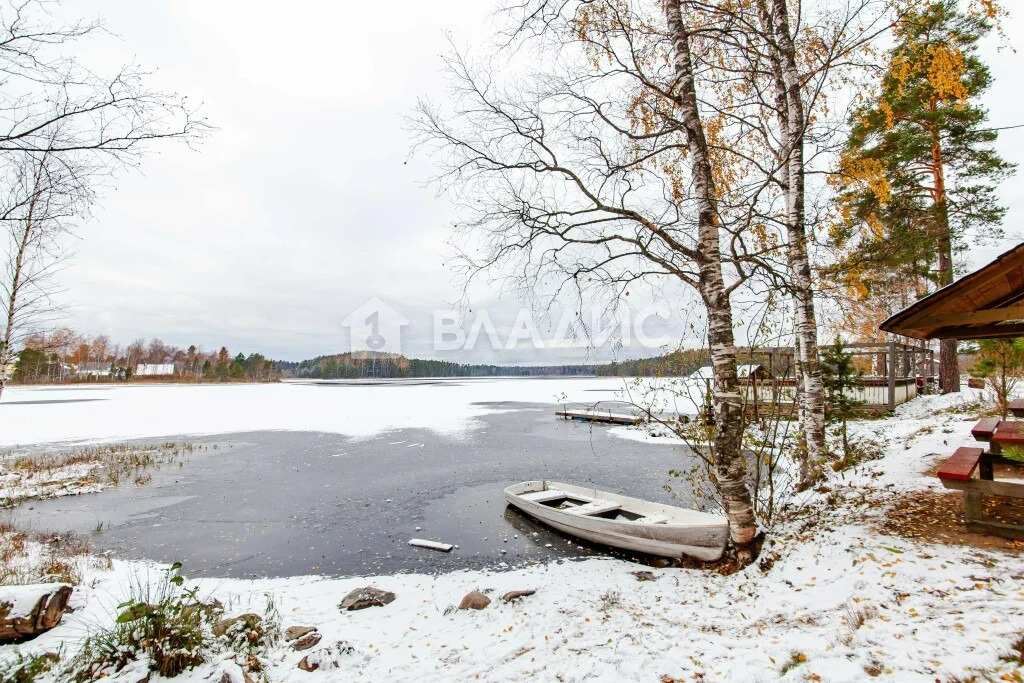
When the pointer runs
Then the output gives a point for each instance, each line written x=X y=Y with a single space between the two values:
x=83 y=470
x=38 y=557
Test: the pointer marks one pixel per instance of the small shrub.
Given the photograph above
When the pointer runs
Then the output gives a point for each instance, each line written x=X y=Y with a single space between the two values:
x=795 y=660
x=58 y=570
x=854 y=618
x=27 y=668
x=858 y=451
x=610 y=600
x=166 y=623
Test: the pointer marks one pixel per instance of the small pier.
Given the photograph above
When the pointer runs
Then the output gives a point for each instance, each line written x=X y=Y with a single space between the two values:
x=603 y=416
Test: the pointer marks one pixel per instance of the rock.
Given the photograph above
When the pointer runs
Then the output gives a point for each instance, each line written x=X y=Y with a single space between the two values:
x=515 y=595
x=326 y=658
x=27 y=611
x=361 y=598
x=474 y=600
x=307 y=641
x=295 y=632
x=213 y=607
x=248 y=623
x=644 y=576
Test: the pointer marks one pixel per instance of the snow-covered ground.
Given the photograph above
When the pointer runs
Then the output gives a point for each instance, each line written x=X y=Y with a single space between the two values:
x=838 y=602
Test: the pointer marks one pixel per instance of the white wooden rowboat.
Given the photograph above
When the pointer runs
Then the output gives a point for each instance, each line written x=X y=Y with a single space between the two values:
x=621 y=521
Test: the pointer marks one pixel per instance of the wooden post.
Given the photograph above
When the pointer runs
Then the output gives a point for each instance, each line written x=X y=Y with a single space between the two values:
x=972 y=506
x=986 y=471
x=892 y=375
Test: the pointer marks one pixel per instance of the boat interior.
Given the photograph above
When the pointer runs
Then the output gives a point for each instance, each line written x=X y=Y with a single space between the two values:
x=589 y=507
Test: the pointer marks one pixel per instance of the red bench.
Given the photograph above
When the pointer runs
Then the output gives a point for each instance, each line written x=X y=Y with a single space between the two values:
x=1009 y=433
x=961 y=464
x=985 y=428
x=1017 y=407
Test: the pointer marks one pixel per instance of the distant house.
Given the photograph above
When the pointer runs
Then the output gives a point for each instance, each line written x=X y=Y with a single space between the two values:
x=9 y=371
x=93 y=370
x=154 y=369
x=757 y=372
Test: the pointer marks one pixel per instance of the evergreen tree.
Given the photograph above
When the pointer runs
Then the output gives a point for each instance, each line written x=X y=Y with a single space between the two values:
x=919 y=172
x=839 y=376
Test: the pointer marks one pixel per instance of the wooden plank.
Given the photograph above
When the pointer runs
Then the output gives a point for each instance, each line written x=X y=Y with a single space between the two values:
x=991 y=315
x=984 y=429
x=543 y=496
x=1009 y=433
x=1009 y=489
x=596 y=416
x=596 y=507
x=961 y=464
x=431 y=545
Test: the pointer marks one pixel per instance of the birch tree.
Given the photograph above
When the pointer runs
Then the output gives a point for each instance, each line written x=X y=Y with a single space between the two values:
x=43 y=195
x=63 y=129
x=50 y=102
x=599 y=172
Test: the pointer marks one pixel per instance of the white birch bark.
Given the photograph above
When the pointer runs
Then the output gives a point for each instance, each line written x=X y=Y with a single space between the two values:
x=792 y=123
x=729 y=466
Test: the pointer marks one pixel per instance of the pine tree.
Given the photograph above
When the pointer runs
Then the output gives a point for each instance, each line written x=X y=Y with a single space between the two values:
x=919 y=172
x=839 y=376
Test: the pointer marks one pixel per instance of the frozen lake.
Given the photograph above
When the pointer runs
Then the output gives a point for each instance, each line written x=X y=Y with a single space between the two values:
x=271 y=500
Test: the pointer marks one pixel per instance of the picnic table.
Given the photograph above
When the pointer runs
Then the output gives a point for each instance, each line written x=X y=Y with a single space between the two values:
x=959 y=470
x=1017 y=407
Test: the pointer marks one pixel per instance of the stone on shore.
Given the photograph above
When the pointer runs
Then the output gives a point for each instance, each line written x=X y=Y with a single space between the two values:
x=296 y=632
x=361 y=598
x=474 y=600
x=515 y=595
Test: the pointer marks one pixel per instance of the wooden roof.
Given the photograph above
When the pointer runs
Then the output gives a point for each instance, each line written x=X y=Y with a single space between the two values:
x=986 y=304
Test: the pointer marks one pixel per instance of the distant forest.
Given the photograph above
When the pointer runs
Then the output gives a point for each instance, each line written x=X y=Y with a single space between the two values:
x=374 y=364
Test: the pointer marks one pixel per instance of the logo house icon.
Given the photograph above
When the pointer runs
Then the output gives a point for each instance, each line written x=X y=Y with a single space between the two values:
x=375 y=326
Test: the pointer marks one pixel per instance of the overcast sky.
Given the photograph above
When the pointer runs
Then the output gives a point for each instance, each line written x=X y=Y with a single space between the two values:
x=301 y=207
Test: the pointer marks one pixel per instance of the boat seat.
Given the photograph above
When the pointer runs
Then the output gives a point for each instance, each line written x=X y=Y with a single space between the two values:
x=654 y=519
x=596 y=507
x=543 y=496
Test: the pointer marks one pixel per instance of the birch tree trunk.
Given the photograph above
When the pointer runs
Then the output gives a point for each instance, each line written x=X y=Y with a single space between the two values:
x=23 y=238
x=729 y=467
x=793 y=124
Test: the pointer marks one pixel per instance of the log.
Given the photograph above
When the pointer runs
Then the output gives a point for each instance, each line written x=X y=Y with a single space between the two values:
x=27 y=611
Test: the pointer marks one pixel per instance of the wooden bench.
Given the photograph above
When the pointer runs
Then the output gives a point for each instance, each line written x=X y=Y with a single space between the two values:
x=956 y=473
x=985 y=428
x=1017 y=407
x=597 y=507
x=1008 y=433
x=960 y=465
x=544 y=496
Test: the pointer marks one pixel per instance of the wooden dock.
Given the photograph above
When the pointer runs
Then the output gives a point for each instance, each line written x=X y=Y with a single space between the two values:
x=606 y=417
